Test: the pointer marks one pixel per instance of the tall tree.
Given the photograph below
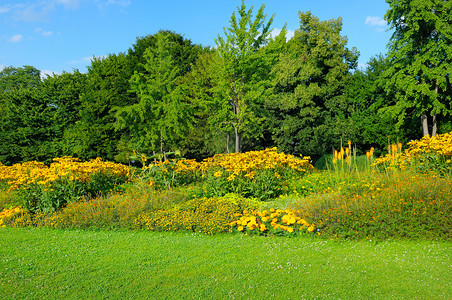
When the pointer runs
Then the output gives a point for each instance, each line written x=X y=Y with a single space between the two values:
x=63 y=92
x=237 y=50
x=183 y=51
x=27 y=127
x=106 y=86
x=420 y=54
x=161 y=117
x=308 y=103
x=17 y=78
x=366 y=92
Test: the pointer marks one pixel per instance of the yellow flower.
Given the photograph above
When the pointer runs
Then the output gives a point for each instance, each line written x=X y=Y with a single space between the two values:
x=231 y=177
x=290 y=229
x=311 y=228
x=263 y=227
x=240 y=228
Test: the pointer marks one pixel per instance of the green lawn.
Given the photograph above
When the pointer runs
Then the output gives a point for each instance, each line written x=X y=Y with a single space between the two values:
x=38 y=263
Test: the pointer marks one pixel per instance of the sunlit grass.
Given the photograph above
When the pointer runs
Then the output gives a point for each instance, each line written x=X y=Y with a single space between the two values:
x=56 y=264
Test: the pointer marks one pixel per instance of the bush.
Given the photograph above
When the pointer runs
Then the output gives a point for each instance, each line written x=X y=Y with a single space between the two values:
x=207 y=215
x=408 y=205
x=37 y=187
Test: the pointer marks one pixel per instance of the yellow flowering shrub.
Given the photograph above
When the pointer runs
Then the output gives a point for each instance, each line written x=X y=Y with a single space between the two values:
x=7 y=216
x=279 y=221
x=47 y=188
x=207 y=215
x=20 y=175
x=255 y=174
x=430 y=152
x=172 y=172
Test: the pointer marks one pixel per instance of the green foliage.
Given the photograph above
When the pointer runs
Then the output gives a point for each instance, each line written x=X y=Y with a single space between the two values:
x=420 y=60
x=27 y=127
x=308 y=104
x=183 y=51
x=38 y=197
x=238 y=92
x=18 y=78
x=409 y=206
x=264 y=184
x=161 y=117
x=92 y=134
x=369 y=101
x=34 y=117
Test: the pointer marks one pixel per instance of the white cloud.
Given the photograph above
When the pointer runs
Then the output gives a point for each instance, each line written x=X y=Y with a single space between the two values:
x=72 y=4
x=276 y=31
x=38 y=11
x=5 y=8
x=16 y=38
x=43 y=32
x=122 y=3
x=375 y=21
x=45 y=73
x=34 y=12
x=86 y=59
x=362 y=66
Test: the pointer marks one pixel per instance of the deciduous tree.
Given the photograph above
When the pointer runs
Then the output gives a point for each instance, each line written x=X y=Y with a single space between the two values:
x=308 y=103
x=420 y=55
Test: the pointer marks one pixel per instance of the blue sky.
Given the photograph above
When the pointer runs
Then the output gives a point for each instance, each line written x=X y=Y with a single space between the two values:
x=57 y=35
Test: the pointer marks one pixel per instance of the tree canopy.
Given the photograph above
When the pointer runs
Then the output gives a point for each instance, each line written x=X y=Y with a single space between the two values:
x=303 y=95
x=420 y=55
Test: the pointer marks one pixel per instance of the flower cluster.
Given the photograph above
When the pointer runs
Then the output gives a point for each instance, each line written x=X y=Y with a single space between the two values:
x=9 y=213
x=38 y=187
x=236 y=164
x=207 y=215
x=273 y=221
x=21 y=175
x=430 y=149
x=440 y=144
x=248 y=163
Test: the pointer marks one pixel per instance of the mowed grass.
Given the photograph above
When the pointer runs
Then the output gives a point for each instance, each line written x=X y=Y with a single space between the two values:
x=39 y=263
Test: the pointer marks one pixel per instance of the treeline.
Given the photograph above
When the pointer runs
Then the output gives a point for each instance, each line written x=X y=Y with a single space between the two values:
x=303 y=95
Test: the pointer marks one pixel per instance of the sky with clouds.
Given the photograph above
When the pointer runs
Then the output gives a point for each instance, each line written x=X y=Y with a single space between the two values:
x=63 y=35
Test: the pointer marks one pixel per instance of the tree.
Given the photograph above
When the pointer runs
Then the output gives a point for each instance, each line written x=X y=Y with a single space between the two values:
x=35 y=116
x=309 y=108
x=420 y=55
x=25 y=117
x=161 y=117
x=366 y=92
x=106 y=86
x=182 y=51
x=63 y=92
x=27 y=127
x=18 y=78
x=237 y=50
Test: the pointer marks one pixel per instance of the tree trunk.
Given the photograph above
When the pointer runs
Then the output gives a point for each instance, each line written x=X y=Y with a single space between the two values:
x=227 y=143
x=162 y=148
x=434 y=115
x=424 y=122
x=238 y=144
x=434 y=125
